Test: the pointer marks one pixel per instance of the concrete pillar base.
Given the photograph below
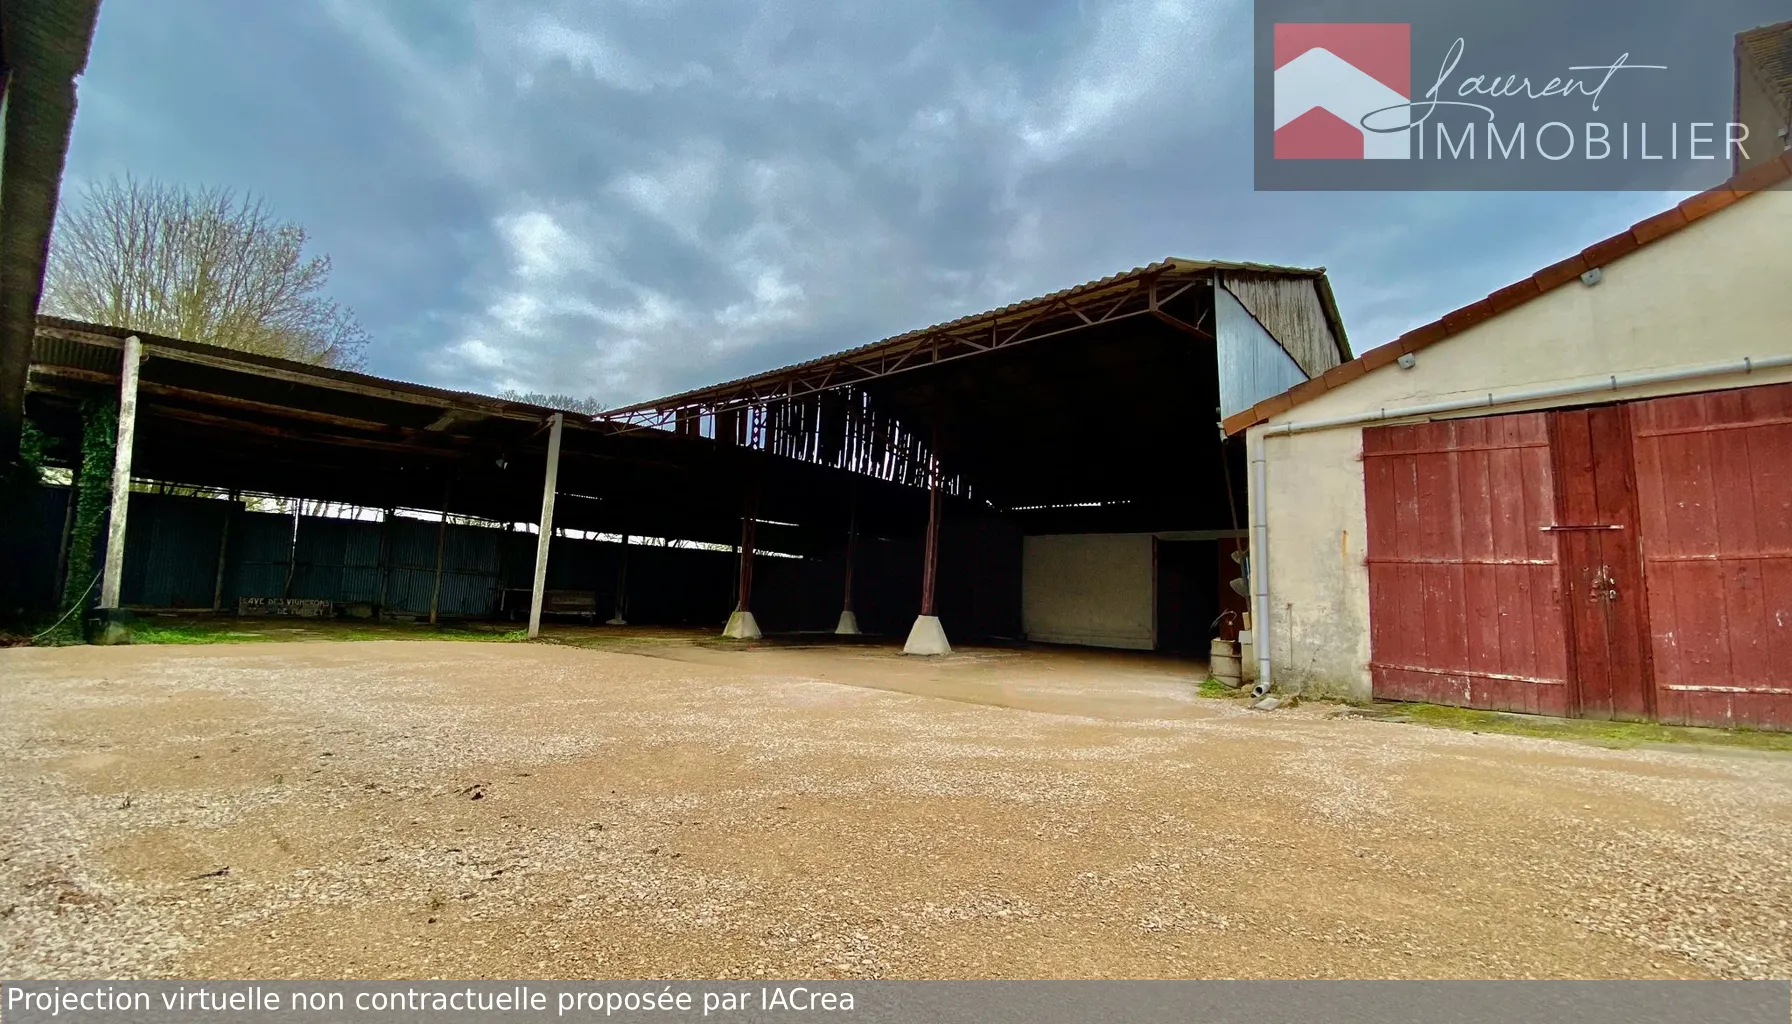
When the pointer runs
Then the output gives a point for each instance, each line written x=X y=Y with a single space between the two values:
x=742 y=626
x=849 y=624
x=110 y=626
x=616 y=620
x=927 y=637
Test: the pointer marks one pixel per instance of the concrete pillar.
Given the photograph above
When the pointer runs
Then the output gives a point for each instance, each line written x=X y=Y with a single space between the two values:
x=223 y=552
x=849 y=623
x=115 y=628
x=618 y=619
x=927 y=636
x=435 y=592
x=741 y=624
x=546 y=536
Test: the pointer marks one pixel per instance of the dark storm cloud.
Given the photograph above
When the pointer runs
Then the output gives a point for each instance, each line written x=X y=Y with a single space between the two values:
x=627 y=199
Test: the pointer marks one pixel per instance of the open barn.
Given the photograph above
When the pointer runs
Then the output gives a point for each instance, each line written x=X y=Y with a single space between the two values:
x=1052 y=470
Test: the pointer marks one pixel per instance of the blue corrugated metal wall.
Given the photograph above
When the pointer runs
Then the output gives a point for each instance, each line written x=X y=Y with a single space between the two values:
x=1252 y=364
x=260 y=556
x=171 y=551
x=171 y=561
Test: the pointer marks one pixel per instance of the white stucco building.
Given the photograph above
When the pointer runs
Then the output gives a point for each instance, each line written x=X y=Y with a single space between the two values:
x=1506 y=509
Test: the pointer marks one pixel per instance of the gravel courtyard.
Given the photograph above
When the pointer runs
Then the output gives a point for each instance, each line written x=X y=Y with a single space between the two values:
x=463 y=809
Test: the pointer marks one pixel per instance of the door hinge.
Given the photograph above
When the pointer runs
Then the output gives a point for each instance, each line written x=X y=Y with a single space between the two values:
x=1608 y=526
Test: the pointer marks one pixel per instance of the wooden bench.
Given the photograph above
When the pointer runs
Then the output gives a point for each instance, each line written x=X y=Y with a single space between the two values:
x=582 y=603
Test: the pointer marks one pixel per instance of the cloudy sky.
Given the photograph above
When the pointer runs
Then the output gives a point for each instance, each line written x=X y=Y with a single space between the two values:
x=626 y=198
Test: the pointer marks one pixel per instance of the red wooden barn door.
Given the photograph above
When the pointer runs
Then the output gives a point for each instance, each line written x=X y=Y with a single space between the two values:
x=1464 y=586
x=1596 y=527
x=1714 y=477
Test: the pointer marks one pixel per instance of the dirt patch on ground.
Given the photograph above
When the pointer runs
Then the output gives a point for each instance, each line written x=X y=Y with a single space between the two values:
x=408 y=809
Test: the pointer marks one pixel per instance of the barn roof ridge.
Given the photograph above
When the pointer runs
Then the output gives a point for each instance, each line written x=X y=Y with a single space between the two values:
x=1640 y=235
x=1021 y=308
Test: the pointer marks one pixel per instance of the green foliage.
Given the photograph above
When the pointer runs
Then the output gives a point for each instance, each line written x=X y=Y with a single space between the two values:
x=93 y=496
x=32 y=445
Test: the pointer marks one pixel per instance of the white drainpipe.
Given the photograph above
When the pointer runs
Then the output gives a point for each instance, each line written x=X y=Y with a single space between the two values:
x=1615 y=382
x=1260 y=565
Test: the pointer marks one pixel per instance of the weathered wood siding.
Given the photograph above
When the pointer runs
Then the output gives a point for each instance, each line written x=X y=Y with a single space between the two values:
x=1289 y=308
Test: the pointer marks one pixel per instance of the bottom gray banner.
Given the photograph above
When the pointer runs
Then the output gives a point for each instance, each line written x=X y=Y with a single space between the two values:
x=903 y=1002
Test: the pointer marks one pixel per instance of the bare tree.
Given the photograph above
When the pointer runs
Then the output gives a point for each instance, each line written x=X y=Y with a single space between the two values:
x=564 y=403
x=204 y=265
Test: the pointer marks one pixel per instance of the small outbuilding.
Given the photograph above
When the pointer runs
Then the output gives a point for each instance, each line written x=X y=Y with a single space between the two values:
x=1573 y=497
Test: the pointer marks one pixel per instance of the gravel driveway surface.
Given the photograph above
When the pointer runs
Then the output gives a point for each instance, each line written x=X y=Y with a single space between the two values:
x=452 y=809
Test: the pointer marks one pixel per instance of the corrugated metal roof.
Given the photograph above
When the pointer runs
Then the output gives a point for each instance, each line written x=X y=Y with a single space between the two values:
x=73 y=343
x=1173 y=264
x=1770 y=48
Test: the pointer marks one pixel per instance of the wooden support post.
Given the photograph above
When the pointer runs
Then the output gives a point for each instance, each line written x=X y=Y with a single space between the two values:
x=113 y=578
x=931 y=555
x=744 y=603
x=545 y=537
x=742 y=625
x=435 y=593
x=927 y=636
x=223 y=551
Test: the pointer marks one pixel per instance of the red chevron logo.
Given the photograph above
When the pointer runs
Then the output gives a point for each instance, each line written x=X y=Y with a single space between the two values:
x=1328 y=78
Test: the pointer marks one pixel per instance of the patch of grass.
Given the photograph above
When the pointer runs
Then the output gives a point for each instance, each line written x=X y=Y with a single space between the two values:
x=190 y=633
x=1609 y=734
x=1211 y=687
x=230 y=630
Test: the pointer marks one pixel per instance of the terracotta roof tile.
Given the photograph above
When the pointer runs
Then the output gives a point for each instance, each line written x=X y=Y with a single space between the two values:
x=1379 y=356
x=1458 y=320
x=1557 y=274
x=1610 y=250
x=1514 y=295
x=1344 y=373
x=1643 y=233
x=1664 y=223
x=1706 y=203
x=1308 y=390
x=1419 y=337
x=1759 y=177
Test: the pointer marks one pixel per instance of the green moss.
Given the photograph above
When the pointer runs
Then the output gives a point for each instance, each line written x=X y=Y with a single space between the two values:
x=1211 y=687
x=1610 y=734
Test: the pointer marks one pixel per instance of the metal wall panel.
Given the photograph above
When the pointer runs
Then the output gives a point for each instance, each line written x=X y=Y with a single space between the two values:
x=1714 y=484
x=470 y=568
x=260 y=554
x=1464 y=584
x=1252 y=364
x=171 y=551
x=337 y=560
x=28 y=578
